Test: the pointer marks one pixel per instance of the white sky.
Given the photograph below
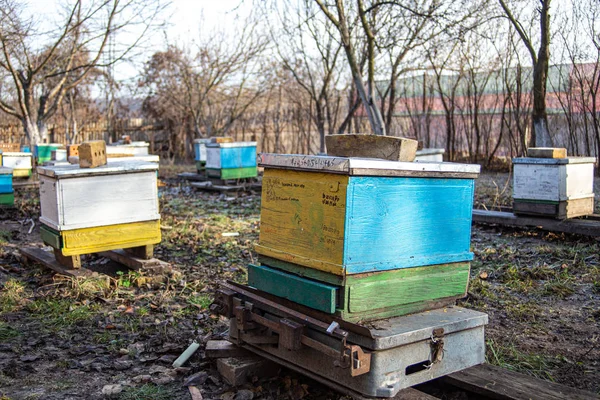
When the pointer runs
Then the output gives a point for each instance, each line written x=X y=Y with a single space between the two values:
x=185 y=19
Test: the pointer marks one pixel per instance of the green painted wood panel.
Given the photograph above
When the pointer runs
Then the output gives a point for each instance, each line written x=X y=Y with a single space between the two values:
x=50 y=237
x=300 y=290
x=406 y=286
x=310 y=273
x=232 y=173
x=7 y=199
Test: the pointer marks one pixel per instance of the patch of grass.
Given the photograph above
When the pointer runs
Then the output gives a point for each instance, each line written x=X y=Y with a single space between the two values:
x=5 y=237
x=201 y=300
x=61 y=313
x=88 y=287
x=515 y=279
x=510 y=357
x=11 y=295
x=127 y=279
x=561 y=288
x=146 y=392
x=7 y=332
x=523 y=311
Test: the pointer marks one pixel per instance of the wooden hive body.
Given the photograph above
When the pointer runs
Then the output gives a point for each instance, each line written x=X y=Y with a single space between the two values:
x=556 y=187
x=7 y=197
x=231 y=160
x=364 y=239
x=86 y=210
x=43 y=152
x=20 y=162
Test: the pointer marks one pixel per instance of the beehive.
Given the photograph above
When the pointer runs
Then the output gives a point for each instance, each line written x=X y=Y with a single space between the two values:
x=231 y=160
x=364 y=238
x=43 y=151
x=87 y=210
x=20 y=162
x=554 y=187
x=200 y=153
x=131 y=149
x=7 y=196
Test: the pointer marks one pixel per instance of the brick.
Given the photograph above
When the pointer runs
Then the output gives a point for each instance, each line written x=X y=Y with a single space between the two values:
x=224 y=349
x=72 y=150
x=92 y=154
x=237 y=370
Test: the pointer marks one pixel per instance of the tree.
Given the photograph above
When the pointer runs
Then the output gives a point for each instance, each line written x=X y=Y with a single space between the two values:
x=540 y=60
x=42 y=74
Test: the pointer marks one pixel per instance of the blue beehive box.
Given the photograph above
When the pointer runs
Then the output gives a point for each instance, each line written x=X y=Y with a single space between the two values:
x=234 y=160
x=7 y=197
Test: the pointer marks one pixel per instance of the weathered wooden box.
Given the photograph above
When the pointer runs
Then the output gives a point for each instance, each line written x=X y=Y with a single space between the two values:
x=231 y=160
x=20 y=162
x=7 y=196
x=556 y=187
x=353 y=216
x=87 y=210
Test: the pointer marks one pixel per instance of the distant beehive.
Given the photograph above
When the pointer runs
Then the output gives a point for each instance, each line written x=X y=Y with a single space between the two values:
x=20 y=162
x=555 y=187
x=88 y=210
x=231 y=160
x=7 y=196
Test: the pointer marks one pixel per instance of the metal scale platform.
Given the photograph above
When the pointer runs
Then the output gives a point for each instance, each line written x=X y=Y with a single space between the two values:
x=376 y=359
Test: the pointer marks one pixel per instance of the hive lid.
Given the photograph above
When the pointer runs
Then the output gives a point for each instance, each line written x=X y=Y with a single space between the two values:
x=554 y=161
x=113 y=168
x=202 y=140
x=16 y=154
x=399 y=331
x=5 y=171
x=232 y=144
x=368 y=166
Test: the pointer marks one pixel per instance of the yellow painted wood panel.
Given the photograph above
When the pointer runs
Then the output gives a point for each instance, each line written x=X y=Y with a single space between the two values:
x=110 y=237
x=302 y=218
x=19 y=172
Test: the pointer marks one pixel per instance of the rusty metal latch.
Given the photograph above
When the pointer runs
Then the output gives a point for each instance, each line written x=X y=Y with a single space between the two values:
x=437 y=345
x=254 y=328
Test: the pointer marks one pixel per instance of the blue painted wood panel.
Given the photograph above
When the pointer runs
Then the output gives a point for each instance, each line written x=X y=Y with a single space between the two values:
x=197 y=151
x=407 y=222
x=238 y=157
x=6 y=183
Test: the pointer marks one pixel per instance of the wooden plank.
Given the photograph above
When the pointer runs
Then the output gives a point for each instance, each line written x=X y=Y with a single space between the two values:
x=30 y=183
x=190 y=176
x=111 y=237
x=575 y=226
x=224 y=349
x=406 y=286
x=502 y=384
x=236 y=371
x=547 y=152
x=132 y=262
x=300 y=290
x=47 y=259
x=563 y=209
x=372 y=146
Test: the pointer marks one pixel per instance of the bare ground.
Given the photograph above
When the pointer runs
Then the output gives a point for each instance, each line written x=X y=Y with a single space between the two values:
x=63 y=338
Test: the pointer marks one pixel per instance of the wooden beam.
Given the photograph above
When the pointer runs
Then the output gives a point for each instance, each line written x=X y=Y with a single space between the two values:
x=586 y=227
x=130 y=261
x=502 y=384
x=46 y=258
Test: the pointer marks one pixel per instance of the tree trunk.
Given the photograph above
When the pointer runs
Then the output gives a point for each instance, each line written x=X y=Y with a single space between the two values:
x=31 y=131
x=539 y=118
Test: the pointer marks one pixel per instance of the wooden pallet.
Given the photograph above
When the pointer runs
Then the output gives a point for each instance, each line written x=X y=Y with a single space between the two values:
x=588 y=226
x=49 y=260
x=481 y=381
x=26 y=183
x=191 y=176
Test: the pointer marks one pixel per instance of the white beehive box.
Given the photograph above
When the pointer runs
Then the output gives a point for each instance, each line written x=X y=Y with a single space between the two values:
x=559 y=187
x=116 y=193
